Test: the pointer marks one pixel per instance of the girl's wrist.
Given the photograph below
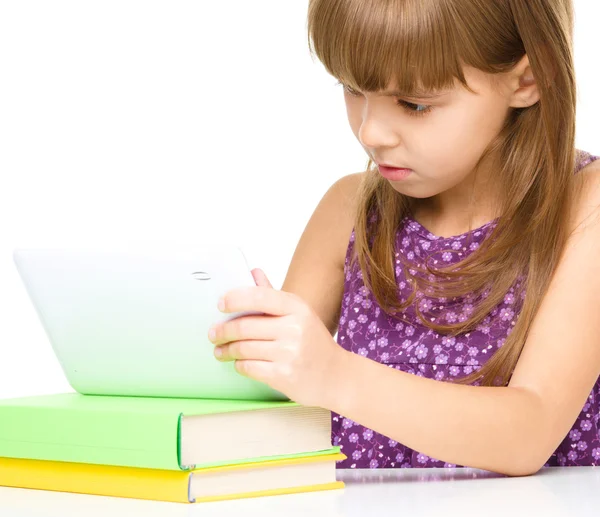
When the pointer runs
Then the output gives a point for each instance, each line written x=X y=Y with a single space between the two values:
x=338 y=390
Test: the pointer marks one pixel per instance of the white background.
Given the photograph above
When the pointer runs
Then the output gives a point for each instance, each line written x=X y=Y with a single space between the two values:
x=172 y=123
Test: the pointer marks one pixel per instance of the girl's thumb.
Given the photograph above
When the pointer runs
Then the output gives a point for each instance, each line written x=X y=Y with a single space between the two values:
x=260 y=278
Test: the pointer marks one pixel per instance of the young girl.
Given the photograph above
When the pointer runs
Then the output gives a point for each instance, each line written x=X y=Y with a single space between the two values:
x=463 y=286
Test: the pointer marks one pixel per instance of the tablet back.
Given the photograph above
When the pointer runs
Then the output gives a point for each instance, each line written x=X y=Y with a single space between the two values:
x=136 y=322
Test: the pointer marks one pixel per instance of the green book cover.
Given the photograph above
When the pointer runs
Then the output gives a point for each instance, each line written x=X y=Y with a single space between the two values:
x=110 y=430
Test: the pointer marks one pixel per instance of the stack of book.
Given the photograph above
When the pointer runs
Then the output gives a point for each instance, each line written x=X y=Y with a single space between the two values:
x=165 y=449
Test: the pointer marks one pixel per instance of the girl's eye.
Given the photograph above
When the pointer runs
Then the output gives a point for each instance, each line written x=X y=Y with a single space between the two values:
x=414 y=109
x=410 y=108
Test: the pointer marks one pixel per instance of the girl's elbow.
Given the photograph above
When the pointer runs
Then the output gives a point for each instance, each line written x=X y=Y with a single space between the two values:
x=522 y=470
x=523 y=463
x=529 y=454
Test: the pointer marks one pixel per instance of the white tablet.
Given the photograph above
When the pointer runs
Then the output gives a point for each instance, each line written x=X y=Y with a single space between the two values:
x=135 y=323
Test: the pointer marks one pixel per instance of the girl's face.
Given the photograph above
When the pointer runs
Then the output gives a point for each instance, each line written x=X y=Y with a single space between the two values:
x=440 y=139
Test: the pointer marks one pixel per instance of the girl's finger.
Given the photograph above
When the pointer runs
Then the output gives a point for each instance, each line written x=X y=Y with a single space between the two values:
x=261 y=371
x=247 y=350
x=245 y=327
x=260 y=277
x=260 y=298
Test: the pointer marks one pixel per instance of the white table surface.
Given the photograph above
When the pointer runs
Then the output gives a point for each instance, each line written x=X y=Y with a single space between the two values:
x=567 y=491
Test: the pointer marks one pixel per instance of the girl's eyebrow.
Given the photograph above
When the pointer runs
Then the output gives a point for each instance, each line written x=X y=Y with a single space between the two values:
x=416 y=95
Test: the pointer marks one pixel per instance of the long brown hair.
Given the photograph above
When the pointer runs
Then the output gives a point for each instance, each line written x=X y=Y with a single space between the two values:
x=423 y=44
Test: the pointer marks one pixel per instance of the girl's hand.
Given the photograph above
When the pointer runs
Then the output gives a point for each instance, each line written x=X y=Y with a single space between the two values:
x=289 y=348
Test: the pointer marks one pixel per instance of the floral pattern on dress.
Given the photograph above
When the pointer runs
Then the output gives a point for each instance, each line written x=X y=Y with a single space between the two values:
x=409 y=346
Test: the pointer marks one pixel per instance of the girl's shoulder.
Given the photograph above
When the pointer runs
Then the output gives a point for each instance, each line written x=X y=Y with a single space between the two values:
x=587 y=202
x=584 y=159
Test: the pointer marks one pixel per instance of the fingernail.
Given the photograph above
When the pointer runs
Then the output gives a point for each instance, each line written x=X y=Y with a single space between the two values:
x=212 y=333
x=221 y=304
x=218 y=352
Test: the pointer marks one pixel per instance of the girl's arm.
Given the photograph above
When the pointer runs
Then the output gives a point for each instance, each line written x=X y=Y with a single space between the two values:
x=510 y=430
x=514 y=429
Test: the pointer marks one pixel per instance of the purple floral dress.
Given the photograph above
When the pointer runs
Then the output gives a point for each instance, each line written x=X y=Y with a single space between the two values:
x=410 y=347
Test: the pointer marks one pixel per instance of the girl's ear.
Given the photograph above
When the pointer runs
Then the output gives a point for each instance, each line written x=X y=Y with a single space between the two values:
x=524 y=90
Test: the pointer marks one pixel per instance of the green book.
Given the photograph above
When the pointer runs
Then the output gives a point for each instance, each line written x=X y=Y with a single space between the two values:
x=160 y=433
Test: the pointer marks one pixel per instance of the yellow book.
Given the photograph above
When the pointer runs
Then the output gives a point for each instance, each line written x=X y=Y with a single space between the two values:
x=287 y=476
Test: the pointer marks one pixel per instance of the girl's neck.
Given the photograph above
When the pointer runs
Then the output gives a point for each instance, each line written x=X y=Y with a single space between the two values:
x=450 y=225
x=464 y=207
